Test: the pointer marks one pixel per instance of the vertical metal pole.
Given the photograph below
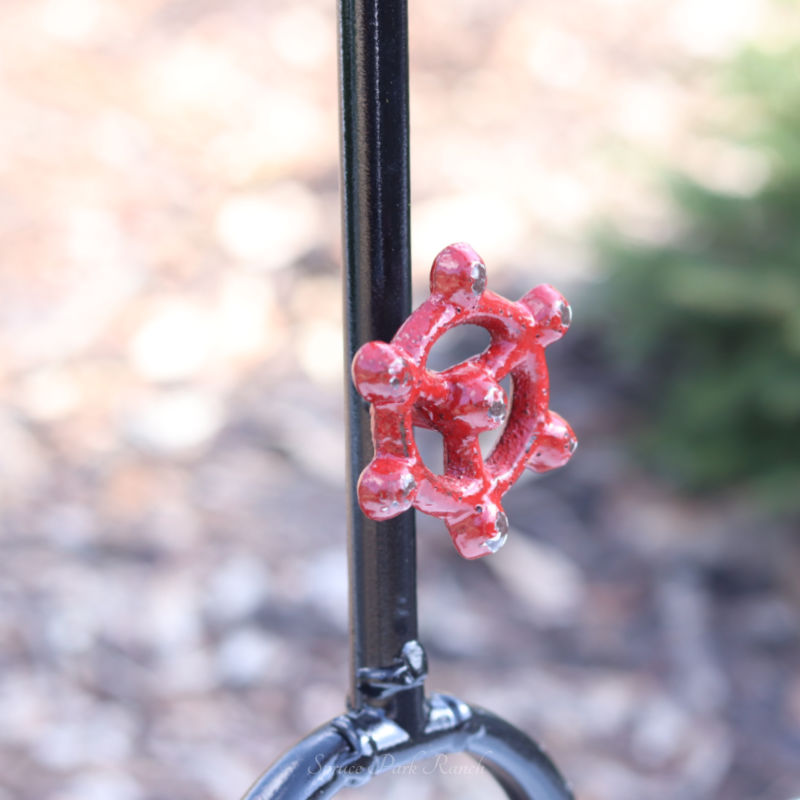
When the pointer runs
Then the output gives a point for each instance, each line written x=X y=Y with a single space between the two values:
x=373 y=42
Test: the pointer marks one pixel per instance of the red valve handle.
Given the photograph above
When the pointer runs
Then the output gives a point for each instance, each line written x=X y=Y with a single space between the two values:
x=462 y=402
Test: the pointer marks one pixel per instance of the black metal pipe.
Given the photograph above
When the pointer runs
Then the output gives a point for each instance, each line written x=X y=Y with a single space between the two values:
x=390 y=723
x=373 y=40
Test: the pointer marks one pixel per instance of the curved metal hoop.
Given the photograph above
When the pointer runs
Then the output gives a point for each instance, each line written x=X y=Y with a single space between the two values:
x=351 y=749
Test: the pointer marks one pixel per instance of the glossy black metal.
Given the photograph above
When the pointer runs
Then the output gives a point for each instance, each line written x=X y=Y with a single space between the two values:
x=353 y=748
x=377 y=286
x=390 y=724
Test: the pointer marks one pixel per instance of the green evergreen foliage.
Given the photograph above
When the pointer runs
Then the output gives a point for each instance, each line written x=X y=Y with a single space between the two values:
x=709 y=324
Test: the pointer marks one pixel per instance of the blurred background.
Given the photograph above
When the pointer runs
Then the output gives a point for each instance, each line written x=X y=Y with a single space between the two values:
x=172 y=574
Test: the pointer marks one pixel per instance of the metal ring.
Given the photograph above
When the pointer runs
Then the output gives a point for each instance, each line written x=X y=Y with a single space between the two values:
x=351 y=749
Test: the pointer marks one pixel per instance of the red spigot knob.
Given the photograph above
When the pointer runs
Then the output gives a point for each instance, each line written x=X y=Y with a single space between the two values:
x=461 y=402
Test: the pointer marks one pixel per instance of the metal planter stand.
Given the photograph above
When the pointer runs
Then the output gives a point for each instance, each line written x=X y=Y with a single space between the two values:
x=390 y=722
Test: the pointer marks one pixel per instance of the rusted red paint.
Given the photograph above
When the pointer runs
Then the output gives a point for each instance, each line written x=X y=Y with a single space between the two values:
x=462 y=402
